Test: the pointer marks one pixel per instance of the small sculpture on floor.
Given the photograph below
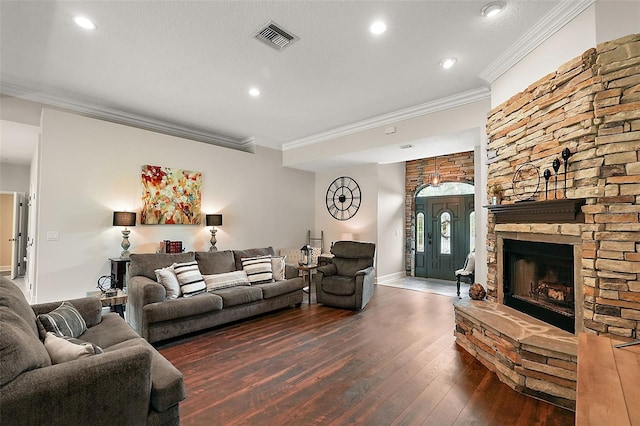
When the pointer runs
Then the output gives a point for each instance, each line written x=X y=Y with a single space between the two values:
x=477 y=292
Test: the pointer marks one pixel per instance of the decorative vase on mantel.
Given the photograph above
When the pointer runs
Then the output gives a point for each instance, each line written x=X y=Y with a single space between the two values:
x=496 y=192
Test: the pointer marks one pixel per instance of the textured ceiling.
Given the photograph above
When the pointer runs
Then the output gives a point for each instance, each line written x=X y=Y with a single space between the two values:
x=191 y=63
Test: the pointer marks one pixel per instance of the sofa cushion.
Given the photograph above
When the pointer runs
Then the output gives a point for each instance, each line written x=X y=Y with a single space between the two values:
x=239 y=254
x=226 y=280
x=190 y=278
x=241 y=295
x=258 y=269
x=278 y=266
x=111 y=331
x=167 y=277
x=279 y=288
x=217 y=262
x=20 y=348
x=62 y=350
x=13 y=298
x=181 y=308
x=146 y=264
x=339 y=285
x=65 y=320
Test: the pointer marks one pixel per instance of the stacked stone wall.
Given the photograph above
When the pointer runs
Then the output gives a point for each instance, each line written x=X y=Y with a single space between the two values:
x=456 y=167
x=590 y=105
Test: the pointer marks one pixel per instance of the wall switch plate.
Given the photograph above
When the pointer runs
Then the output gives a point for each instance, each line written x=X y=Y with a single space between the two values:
x=53 y=236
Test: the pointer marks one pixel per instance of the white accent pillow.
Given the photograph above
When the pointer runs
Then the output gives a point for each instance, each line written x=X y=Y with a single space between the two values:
x=167 y=277
x=226 y=280
x=258 y=269
x=190 y=278
x=278 y=267
x=61 y=350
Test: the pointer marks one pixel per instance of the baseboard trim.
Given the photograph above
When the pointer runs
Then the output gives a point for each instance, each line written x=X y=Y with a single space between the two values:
x=390 y=277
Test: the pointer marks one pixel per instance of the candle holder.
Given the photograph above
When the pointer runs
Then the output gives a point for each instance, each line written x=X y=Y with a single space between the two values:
x=565 y=156
x=547 y=176
x=556 y=167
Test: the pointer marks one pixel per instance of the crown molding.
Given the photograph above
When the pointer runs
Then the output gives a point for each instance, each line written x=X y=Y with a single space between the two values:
x=453 y=101
x=126 y=118
x=553 y=21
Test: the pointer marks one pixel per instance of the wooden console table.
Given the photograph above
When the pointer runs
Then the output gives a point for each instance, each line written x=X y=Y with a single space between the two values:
x=608 y=377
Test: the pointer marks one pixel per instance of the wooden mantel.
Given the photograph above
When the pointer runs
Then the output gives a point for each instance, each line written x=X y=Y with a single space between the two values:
x=550 y=211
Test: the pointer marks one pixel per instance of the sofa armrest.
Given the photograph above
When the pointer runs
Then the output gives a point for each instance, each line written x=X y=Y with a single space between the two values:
x=142 y=291
x=365 y=271
x=327 y=270
x=96 y=390
x=89 y=307
x=291 y=271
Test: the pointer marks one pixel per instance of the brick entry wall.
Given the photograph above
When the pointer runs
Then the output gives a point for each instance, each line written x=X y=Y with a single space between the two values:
x=453 y=168
x=590 y=105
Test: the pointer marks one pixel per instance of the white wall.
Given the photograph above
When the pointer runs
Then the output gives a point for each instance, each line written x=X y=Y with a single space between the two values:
x=364 y=224
x=89 y=168
x=380 y=218
x=615 y=19
x=14 y=177
x=605 y=20
x=572 y=40
x=391 y=205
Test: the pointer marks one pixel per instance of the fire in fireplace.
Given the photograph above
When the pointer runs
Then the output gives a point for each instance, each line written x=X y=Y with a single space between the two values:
x=538 y=280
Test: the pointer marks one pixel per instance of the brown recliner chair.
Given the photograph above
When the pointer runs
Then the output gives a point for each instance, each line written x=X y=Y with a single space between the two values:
x=348 y=281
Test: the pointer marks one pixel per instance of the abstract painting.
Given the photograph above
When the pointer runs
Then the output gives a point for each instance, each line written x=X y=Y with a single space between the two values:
x=170 y=196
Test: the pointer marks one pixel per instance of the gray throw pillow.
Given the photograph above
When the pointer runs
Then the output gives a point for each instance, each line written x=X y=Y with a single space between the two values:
x=65 y=320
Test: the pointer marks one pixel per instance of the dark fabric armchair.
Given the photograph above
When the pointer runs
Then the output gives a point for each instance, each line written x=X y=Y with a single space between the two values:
x=348 y=281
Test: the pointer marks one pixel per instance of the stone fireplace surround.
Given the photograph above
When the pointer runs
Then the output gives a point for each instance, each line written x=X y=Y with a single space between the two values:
x=590 y=105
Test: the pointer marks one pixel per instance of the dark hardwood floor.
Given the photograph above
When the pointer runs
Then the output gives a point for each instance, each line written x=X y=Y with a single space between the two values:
x=395 y=363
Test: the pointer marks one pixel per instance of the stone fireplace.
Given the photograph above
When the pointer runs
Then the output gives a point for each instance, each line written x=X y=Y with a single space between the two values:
x=590 y=106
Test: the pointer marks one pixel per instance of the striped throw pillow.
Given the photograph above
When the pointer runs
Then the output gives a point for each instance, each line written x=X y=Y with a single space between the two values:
x=65 y=320
x=258 y=269
x=226 y=280
x=190 y=278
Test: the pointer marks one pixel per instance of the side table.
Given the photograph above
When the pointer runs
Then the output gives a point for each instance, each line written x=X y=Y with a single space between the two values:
x=116 y=302
x=307 y=273
x=119 y=270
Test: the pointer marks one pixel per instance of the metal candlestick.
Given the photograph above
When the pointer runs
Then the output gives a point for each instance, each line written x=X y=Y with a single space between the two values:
x=565 y=156
x=556 y=167
x=547 y=175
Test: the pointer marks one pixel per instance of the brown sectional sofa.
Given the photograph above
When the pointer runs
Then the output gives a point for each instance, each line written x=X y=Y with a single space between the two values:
x=130 y=383
x=157 y=319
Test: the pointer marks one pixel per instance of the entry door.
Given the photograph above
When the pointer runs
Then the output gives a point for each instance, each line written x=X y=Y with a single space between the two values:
x=446 y=235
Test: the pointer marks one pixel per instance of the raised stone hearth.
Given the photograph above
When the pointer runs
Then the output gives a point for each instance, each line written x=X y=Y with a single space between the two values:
x=529 y=355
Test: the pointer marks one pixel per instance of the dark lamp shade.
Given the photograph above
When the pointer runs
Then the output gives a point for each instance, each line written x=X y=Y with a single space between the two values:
x=124 y=219
x=214 y=220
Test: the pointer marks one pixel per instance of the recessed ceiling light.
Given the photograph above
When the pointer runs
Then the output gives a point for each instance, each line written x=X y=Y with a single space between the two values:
x=492 y=9
x=84 y=22
x=254 y=92
x=378 y=27
x=447 y=63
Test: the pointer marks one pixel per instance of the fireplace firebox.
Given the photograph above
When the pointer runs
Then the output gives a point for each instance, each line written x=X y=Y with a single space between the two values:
x=538 y=280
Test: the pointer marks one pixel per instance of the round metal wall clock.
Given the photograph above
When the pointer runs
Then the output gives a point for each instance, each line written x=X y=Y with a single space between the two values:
x=343 y=198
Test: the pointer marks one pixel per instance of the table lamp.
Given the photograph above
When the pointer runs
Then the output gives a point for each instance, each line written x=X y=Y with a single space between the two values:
x=213 y=220
x=124 y=219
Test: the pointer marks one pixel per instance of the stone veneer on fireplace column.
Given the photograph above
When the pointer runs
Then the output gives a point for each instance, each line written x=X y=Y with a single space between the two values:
x=590 y=105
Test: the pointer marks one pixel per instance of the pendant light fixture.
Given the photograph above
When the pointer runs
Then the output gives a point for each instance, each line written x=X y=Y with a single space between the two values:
x=436 y=178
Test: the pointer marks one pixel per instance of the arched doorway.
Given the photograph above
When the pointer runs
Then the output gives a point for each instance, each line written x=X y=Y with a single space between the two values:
x=444 y=229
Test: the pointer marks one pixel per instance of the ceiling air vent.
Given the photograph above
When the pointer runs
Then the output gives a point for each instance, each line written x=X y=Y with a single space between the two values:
x=275 y=36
